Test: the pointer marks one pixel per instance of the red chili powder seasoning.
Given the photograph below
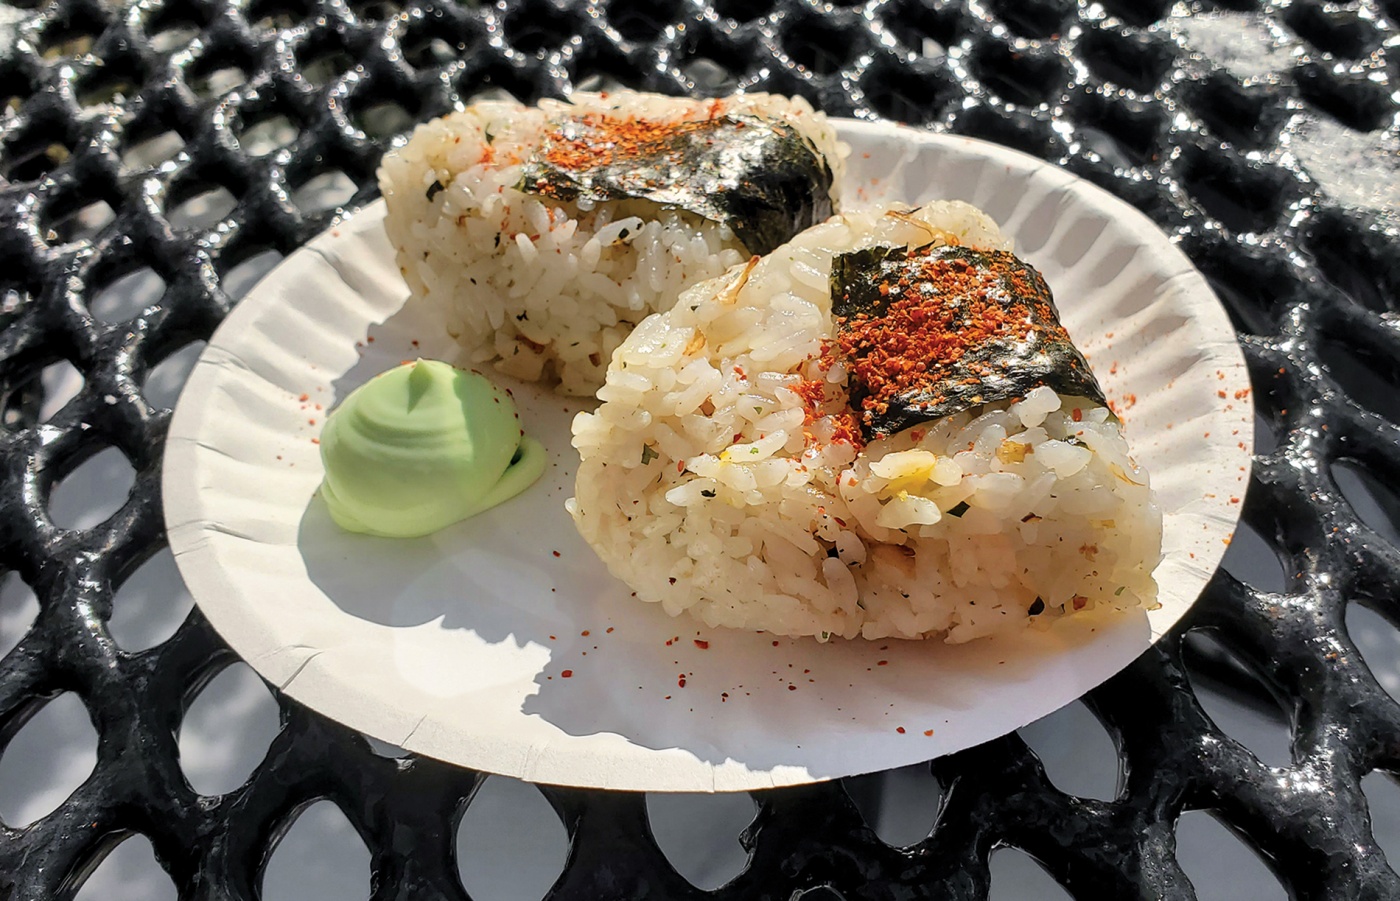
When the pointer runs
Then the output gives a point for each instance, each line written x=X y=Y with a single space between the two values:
x=919 y=337
x=567 y=674
x=606 y=140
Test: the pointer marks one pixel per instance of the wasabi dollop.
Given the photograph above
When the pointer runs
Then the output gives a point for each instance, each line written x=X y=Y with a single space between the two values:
x=422 y=446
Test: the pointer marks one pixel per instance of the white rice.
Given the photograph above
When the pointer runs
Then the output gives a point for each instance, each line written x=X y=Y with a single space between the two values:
x=702 y=489
x=544 y=289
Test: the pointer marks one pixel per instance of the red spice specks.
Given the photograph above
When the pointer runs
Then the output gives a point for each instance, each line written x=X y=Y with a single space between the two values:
x=899 y=729
x=1077 y=415
x=584 y=633
x=304 y=398
x=610 y=628
x=556 y=553
x=928 y=732
x=775 y=644
x=702 y=645
x=680 y=681
x=567 y=674
x=792 y=687
x=882 y=663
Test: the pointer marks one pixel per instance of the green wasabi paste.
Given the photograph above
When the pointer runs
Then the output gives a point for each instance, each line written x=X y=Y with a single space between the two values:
x=422 y=446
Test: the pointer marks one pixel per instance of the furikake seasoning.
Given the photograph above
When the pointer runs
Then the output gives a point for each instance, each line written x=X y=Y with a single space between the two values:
x=762 y=178
x=932 y=331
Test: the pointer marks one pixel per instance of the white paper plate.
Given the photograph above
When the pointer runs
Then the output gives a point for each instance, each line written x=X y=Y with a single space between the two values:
x=504 y=645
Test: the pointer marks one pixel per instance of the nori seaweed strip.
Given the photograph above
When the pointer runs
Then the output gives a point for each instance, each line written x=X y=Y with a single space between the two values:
x=763 y=179
x=982 y=324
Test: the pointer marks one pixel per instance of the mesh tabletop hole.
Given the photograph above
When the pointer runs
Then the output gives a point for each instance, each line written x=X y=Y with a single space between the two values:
x=321 y=856
x=744 y=10
x=914 y=95
x=36 y=160
x=239 y=280
x=1243 y=197
x=1340 y=32
x=1018 y=76
x=1379 y=643
x=61 y=382
x=218 y=82
x=1123 y=133
x=384 y=119
x=425 y=51
x=642 y=20
x=538 y=29
x=326 y=66
x=73 y=226
x=913 y=22
x=699 y=834
x=53 y=753
x=1376 y=503
x=172 y=26
x=174 y=37
x=268 y=135
x=162 y=386
x=226 y=731
x=149 y=153
x=1368 y=375
x=375 y=10
x=1078 y=755
x=707 y=77
x=107 y=88
x=821 y=45
x=1032 y=18
x=23 y=396
x=1383 y=798
x=150 y=604
x=126 y=297
x=510 y=844
x=1353 y=259
x=62 y=39
x=500 y=81
x=1246 y=117
x=1255 y=561
x=203 y=210
x=1234 y=697
x=1135 y=62
x=129 y=872
x=1354 y=101
x=18 y=608
x=900 y=805
x=270 y=15
x=93 y=491
x=326 y=191
x=1016 y=876
x=1221 y=865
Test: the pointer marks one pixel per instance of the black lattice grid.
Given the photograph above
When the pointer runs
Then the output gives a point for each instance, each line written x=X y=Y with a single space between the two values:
x=1103 y=89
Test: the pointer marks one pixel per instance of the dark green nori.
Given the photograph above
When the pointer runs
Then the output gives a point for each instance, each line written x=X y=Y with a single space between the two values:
x=762 y=178
x=1002 y=368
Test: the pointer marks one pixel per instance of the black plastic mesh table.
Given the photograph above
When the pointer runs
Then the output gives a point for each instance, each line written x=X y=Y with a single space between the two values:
x=118 y=115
